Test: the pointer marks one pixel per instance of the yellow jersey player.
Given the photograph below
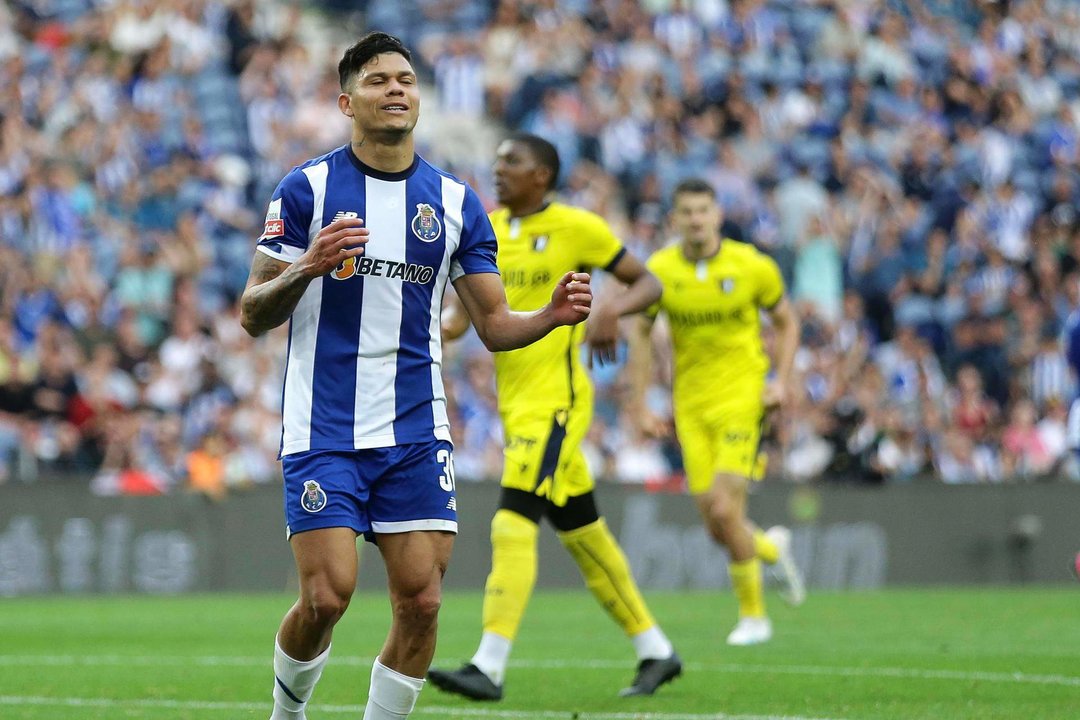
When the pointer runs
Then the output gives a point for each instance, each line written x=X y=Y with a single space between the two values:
x=714 y=292
x=546 y=404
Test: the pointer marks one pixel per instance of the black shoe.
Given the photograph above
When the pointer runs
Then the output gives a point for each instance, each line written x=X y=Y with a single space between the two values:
x=469 y=681
x=653 y=673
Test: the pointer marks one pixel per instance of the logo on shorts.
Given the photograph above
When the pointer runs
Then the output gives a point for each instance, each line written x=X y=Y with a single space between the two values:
x=313 y=499
x=425 y=225
x=452 y=505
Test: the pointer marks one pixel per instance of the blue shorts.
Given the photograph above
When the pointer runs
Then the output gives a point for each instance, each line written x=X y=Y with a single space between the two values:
x=380 y=490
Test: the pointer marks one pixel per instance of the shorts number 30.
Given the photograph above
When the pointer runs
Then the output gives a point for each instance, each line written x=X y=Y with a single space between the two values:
x=446 y=480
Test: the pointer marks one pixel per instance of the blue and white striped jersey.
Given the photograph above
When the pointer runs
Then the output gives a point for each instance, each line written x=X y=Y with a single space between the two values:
x=365 y=354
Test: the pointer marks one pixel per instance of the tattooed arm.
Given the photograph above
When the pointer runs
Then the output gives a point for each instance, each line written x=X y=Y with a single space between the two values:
x=273 y=289
x=274 y=286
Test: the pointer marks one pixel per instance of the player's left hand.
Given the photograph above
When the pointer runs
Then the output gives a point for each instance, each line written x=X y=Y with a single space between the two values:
x=571 y=301
x=602 y=336
x=775 y=395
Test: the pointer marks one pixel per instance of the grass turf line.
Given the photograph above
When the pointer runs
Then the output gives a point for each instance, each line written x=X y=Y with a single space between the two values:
x=857 y=656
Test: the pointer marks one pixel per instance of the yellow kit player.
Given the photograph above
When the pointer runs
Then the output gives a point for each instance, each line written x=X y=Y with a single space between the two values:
x=546 y=404
x=714 y=292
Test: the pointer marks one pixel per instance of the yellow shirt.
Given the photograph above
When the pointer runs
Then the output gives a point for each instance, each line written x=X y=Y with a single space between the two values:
x=713 y=308
x=534 y=252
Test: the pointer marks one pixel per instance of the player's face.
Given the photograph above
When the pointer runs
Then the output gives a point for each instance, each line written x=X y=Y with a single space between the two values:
x=517 y=174
x=384 y=97
x=696 y=217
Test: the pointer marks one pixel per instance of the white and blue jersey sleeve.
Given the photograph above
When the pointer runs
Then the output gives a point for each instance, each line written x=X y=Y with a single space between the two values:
x=478 y=248
x=288 y=218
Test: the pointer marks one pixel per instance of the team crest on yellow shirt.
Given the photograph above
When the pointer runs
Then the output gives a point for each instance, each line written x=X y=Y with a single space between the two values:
x=727 y=285
x=425 y=225
x=540 y=242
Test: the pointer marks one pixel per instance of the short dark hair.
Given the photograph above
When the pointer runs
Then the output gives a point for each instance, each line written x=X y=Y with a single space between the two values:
x=367 y=47
x=693 y=186
x=543 y=152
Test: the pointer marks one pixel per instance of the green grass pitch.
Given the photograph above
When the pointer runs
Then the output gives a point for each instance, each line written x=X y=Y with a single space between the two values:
x=942 y=654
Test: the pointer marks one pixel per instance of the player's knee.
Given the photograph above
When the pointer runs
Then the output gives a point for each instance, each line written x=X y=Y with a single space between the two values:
x=509 y=529
x=419 y=608
x=324 y=606
x=722 y=513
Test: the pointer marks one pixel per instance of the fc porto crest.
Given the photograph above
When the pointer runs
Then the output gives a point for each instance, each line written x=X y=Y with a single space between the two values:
x=727 y=285
x=425 y=225
x=313 y=499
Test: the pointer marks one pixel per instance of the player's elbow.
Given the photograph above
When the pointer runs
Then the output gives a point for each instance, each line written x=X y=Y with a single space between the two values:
x=249 y=327
x=785 y=319
x=653 y=288
x=496 y=341
x=487 y=329
x=492 y=342
x=249 y=323
x=252 y=330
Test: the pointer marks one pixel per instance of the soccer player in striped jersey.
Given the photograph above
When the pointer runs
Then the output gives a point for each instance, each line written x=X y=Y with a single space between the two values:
x=356 y=252
x=546 y=406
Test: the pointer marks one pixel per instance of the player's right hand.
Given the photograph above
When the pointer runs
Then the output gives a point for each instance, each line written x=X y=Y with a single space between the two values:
x=334 y=245
x=602 y=336
x=571 y=301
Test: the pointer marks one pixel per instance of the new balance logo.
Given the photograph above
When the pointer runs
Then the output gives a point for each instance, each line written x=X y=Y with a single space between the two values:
x=452 y=505
x=343 y=215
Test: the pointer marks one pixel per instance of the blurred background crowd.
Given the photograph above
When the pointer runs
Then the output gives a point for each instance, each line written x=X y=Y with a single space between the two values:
x=912 y=166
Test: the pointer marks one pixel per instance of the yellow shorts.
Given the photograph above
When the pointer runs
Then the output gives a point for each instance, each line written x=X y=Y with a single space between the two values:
x=716 y=442
x=542 y=453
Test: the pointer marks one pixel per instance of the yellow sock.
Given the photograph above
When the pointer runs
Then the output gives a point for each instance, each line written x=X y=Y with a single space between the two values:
x=608 y=576
x=513 y=572
x=764 y=548
x=746 y=580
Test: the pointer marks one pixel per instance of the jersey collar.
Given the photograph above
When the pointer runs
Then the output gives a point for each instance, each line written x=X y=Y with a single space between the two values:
x=537 y=211
x=708 y=258
x=382 y=174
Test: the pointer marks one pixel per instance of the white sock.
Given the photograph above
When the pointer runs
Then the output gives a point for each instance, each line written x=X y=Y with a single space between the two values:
x=293 y=682
x=492 y=656
x=652 y=644
x=392 y=695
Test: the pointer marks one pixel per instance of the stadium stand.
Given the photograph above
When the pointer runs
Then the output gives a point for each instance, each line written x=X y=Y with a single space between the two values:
x=911 y=165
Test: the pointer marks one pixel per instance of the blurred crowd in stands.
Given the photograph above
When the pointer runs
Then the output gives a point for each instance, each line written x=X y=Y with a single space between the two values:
x=912 y=166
